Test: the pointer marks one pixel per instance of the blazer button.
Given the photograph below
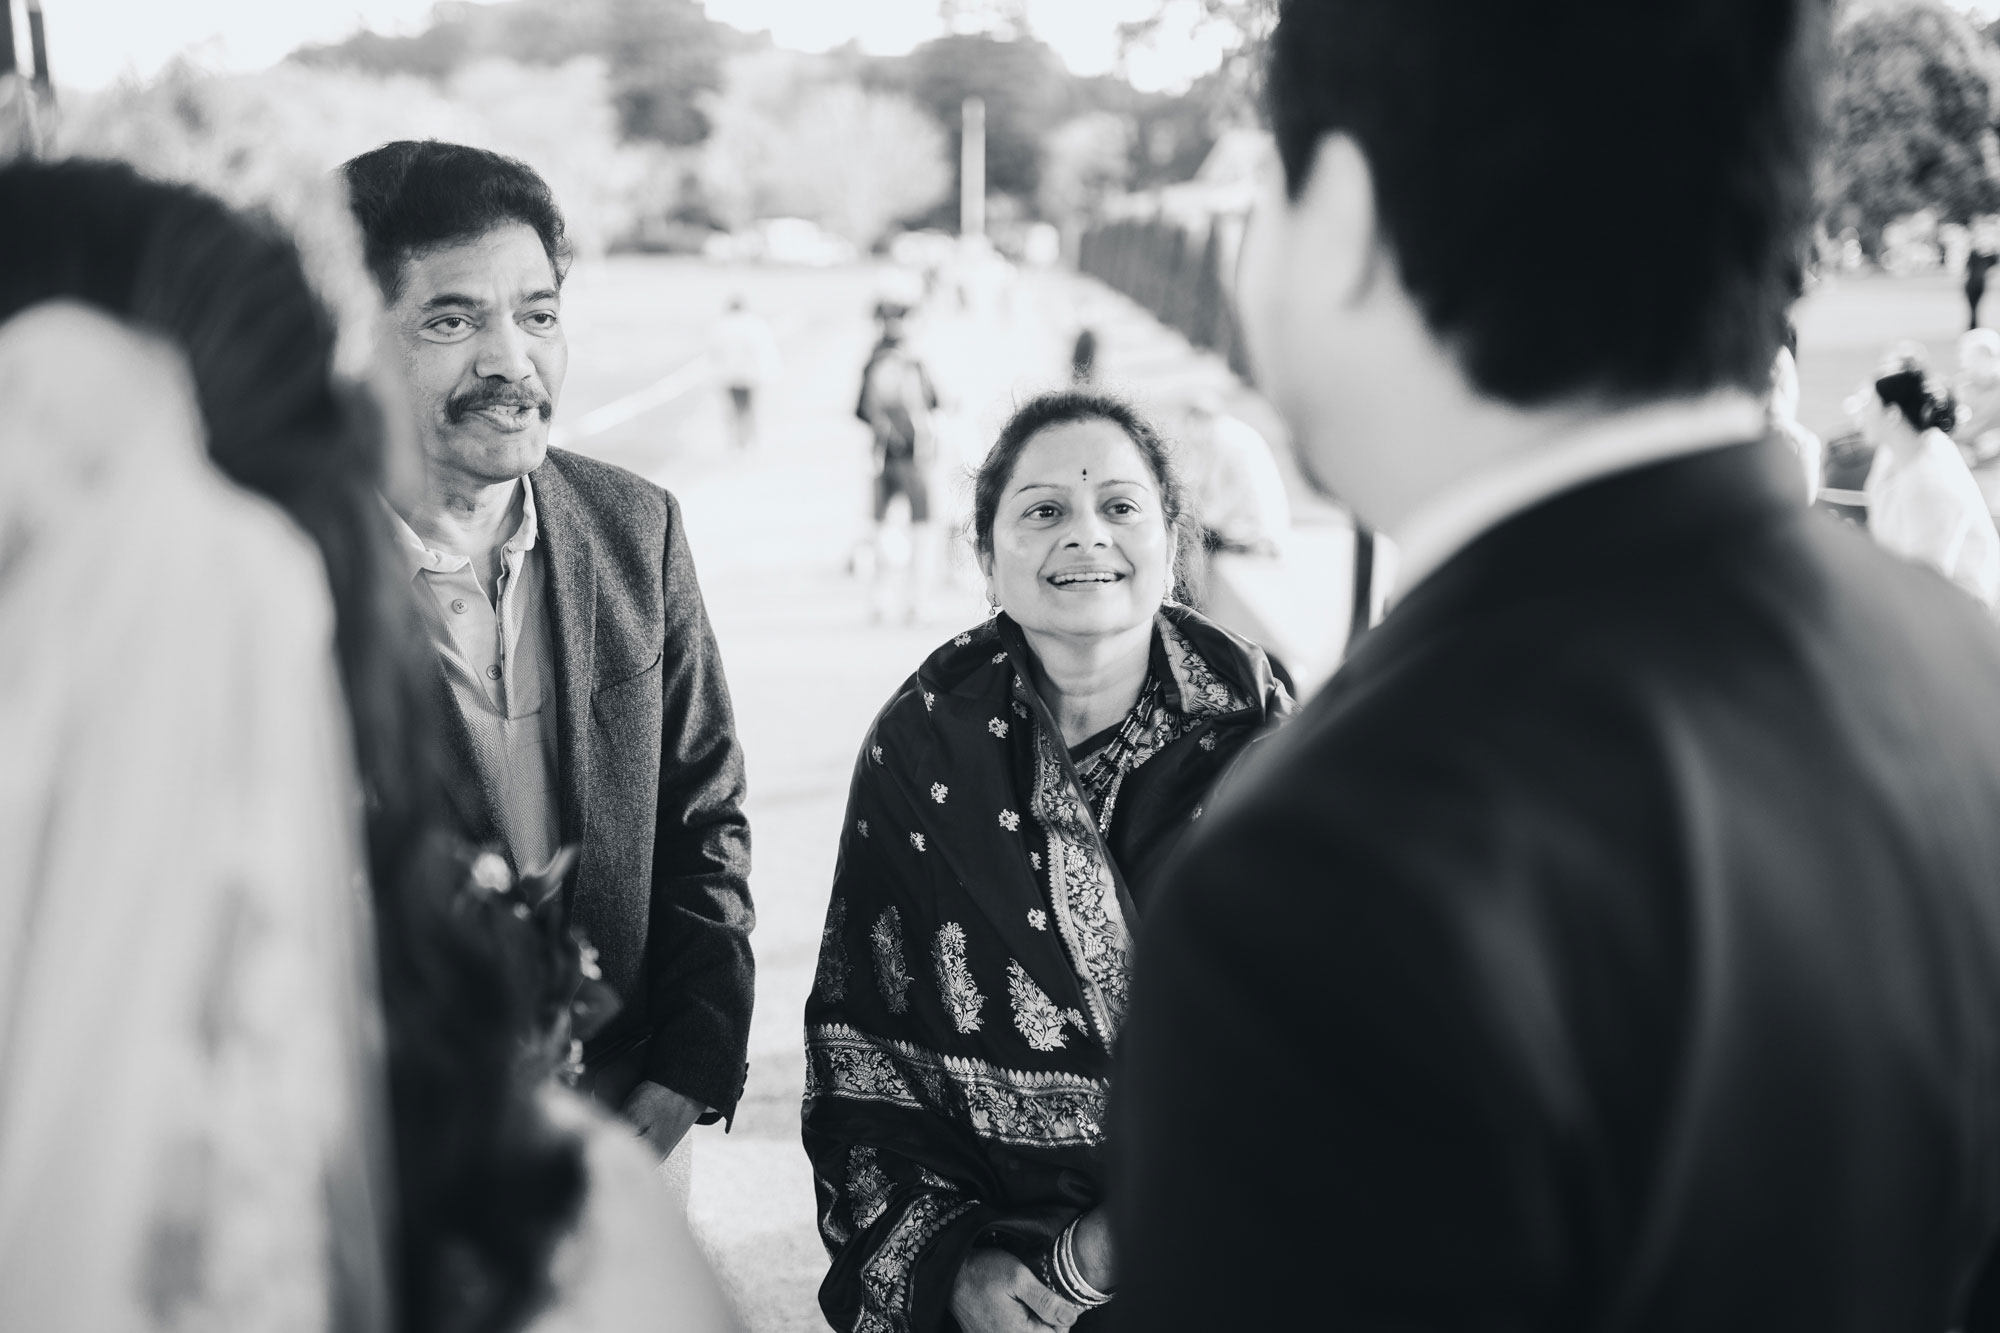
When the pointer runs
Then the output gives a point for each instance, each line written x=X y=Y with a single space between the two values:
x=493 y=673
x=458 y=605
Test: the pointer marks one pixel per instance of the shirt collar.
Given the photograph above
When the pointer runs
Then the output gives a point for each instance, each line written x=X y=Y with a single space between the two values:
x=1451 y=520
x=419 y=557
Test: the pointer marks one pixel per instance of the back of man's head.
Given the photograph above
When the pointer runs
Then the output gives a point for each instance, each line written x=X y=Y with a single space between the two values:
x=415 y=195
x=1585 y=198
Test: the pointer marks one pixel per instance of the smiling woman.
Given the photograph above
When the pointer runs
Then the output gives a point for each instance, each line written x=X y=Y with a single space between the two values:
x=1010 y=811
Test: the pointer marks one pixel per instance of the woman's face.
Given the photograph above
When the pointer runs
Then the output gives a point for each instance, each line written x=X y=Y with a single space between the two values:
x=1877 y=419
x=1081 y=543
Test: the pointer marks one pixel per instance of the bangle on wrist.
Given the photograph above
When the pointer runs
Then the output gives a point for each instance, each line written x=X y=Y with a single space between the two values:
x=1063 y=1275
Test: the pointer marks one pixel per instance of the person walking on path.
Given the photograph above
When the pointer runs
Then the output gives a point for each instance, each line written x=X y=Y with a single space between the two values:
x=746 y=360
x=580 y=689
x=1011 y=810
x=898 y=402
x=1614 y=943
x=1977 y=265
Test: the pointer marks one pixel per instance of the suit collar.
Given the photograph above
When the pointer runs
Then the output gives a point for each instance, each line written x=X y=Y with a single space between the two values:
x=1686 y=503
x=564 y=531
x=1600 y=447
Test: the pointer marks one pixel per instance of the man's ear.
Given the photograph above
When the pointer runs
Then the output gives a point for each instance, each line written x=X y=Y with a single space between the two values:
x=1337 y=208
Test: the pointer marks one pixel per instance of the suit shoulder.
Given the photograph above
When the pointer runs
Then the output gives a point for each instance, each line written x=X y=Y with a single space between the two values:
x=608 y=487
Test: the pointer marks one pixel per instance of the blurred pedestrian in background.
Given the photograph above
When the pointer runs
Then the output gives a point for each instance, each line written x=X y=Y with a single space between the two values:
x=897 y=401
x=1011 y=811
x=581 y=696
x=1784 y=402
x=209 y=1151
x=1234 y=481
x=1615 y=941
x=745 y=354
x=1083 y=358
x=1977 y=265
x=1923 y=503
x=1976 y=394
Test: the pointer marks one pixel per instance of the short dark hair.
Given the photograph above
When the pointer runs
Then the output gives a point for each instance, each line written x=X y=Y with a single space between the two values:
x=1061 y=407
x=1910 y=391
x=418 y=194
x=1584 y=197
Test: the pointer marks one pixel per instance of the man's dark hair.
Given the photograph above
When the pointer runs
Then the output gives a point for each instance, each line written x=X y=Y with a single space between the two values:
x=418 y=194
x=1597 y=198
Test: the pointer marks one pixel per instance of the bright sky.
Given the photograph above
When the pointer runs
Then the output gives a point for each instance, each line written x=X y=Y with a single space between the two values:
x=92 y=43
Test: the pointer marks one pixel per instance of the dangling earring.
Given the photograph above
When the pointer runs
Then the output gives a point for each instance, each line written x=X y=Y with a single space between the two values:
x=993 y=607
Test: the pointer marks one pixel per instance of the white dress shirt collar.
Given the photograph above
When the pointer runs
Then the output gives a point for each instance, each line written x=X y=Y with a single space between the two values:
x=1452 y=519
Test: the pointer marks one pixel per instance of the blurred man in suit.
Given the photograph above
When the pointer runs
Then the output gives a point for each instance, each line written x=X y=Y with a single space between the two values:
x=1615 y=943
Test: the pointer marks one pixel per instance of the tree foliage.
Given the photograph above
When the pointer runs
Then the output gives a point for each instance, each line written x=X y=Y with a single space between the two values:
x=1086 y=159
x=1911 y=125
x=790 y=144
x=1026 y=88
x=662 y=57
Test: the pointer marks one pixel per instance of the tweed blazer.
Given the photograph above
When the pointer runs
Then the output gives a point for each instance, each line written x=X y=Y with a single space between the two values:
x=650 y=784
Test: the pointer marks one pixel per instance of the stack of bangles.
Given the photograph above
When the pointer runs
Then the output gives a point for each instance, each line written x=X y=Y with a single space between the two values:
x=1061 y=1274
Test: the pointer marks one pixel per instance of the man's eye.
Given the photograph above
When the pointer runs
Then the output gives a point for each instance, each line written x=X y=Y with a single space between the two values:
x=542 y=319
x=451 y=324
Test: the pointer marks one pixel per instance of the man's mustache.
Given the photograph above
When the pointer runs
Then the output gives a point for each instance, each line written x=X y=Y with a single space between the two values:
x=461 y=406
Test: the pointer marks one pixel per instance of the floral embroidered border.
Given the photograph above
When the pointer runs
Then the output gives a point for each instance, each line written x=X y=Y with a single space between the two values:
x=1024 y=1108
x=1203 y=692
x=886 y=1275
x=1083 y=893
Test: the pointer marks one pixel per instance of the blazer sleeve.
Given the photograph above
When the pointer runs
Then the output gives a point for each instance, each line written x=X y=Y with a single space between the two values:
x=700 y=974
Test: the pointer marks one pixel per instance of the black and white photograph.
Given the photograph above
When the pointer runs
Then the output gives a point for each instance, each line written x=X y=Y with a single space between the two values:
x=986 y=666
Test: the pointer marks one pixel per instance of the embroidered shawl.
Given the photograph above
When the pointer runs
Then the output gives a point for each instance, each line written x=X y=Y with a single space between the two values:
x=973 y=970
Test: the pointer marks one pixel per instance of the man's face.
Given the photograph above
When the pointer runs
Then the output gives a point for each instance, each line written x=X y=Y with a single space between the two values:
x=478 y=333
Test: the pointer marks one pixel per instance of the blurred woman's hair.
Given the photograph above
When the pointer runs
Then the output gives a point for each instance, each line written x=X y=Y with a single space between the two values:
x=1063 y=407
x=485 y=1189
x=1910 y=391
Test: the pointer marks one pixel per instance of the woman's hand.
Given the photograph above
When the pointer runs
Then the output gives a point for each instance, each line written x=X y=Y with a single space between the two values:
x=996 y=1293
x=1094 y=1254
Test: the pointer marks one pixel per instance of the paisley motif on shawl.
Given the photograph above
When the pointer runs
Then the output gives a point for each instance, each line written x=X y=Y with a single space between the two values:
x=892 y=976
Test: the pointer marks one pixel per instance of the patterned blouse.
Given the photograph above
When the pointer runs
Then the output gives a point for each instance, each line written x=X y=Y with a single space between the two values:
x=974 y=967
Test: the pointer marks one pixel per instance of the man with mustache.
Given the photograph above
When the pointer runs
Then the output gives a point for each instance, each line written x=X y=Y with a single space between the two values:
x=581 y=686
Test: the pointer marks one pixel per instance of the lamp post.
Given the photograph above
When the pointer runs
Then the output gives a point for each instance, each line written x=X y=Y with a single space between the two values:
x=972 y=168
x=38 y=44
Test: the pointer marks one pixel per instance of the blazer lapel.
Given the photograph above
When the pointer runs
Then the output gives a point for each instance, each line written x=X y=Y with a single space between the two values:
x=572 y=588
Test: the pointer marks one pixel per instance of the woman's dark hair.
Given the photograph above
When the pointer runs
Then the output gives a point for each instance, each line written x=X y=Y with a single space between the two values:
x=484 y=1188
x=415 y=194
x=1582 y=198
x=1061 y=407
x=1909 y=391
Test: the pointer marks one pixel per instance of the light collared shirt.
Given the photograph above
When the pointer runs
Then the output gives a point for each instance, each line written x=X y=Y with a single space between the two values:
x=1453 y=519
x=496 y=654
x=1929 y=508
